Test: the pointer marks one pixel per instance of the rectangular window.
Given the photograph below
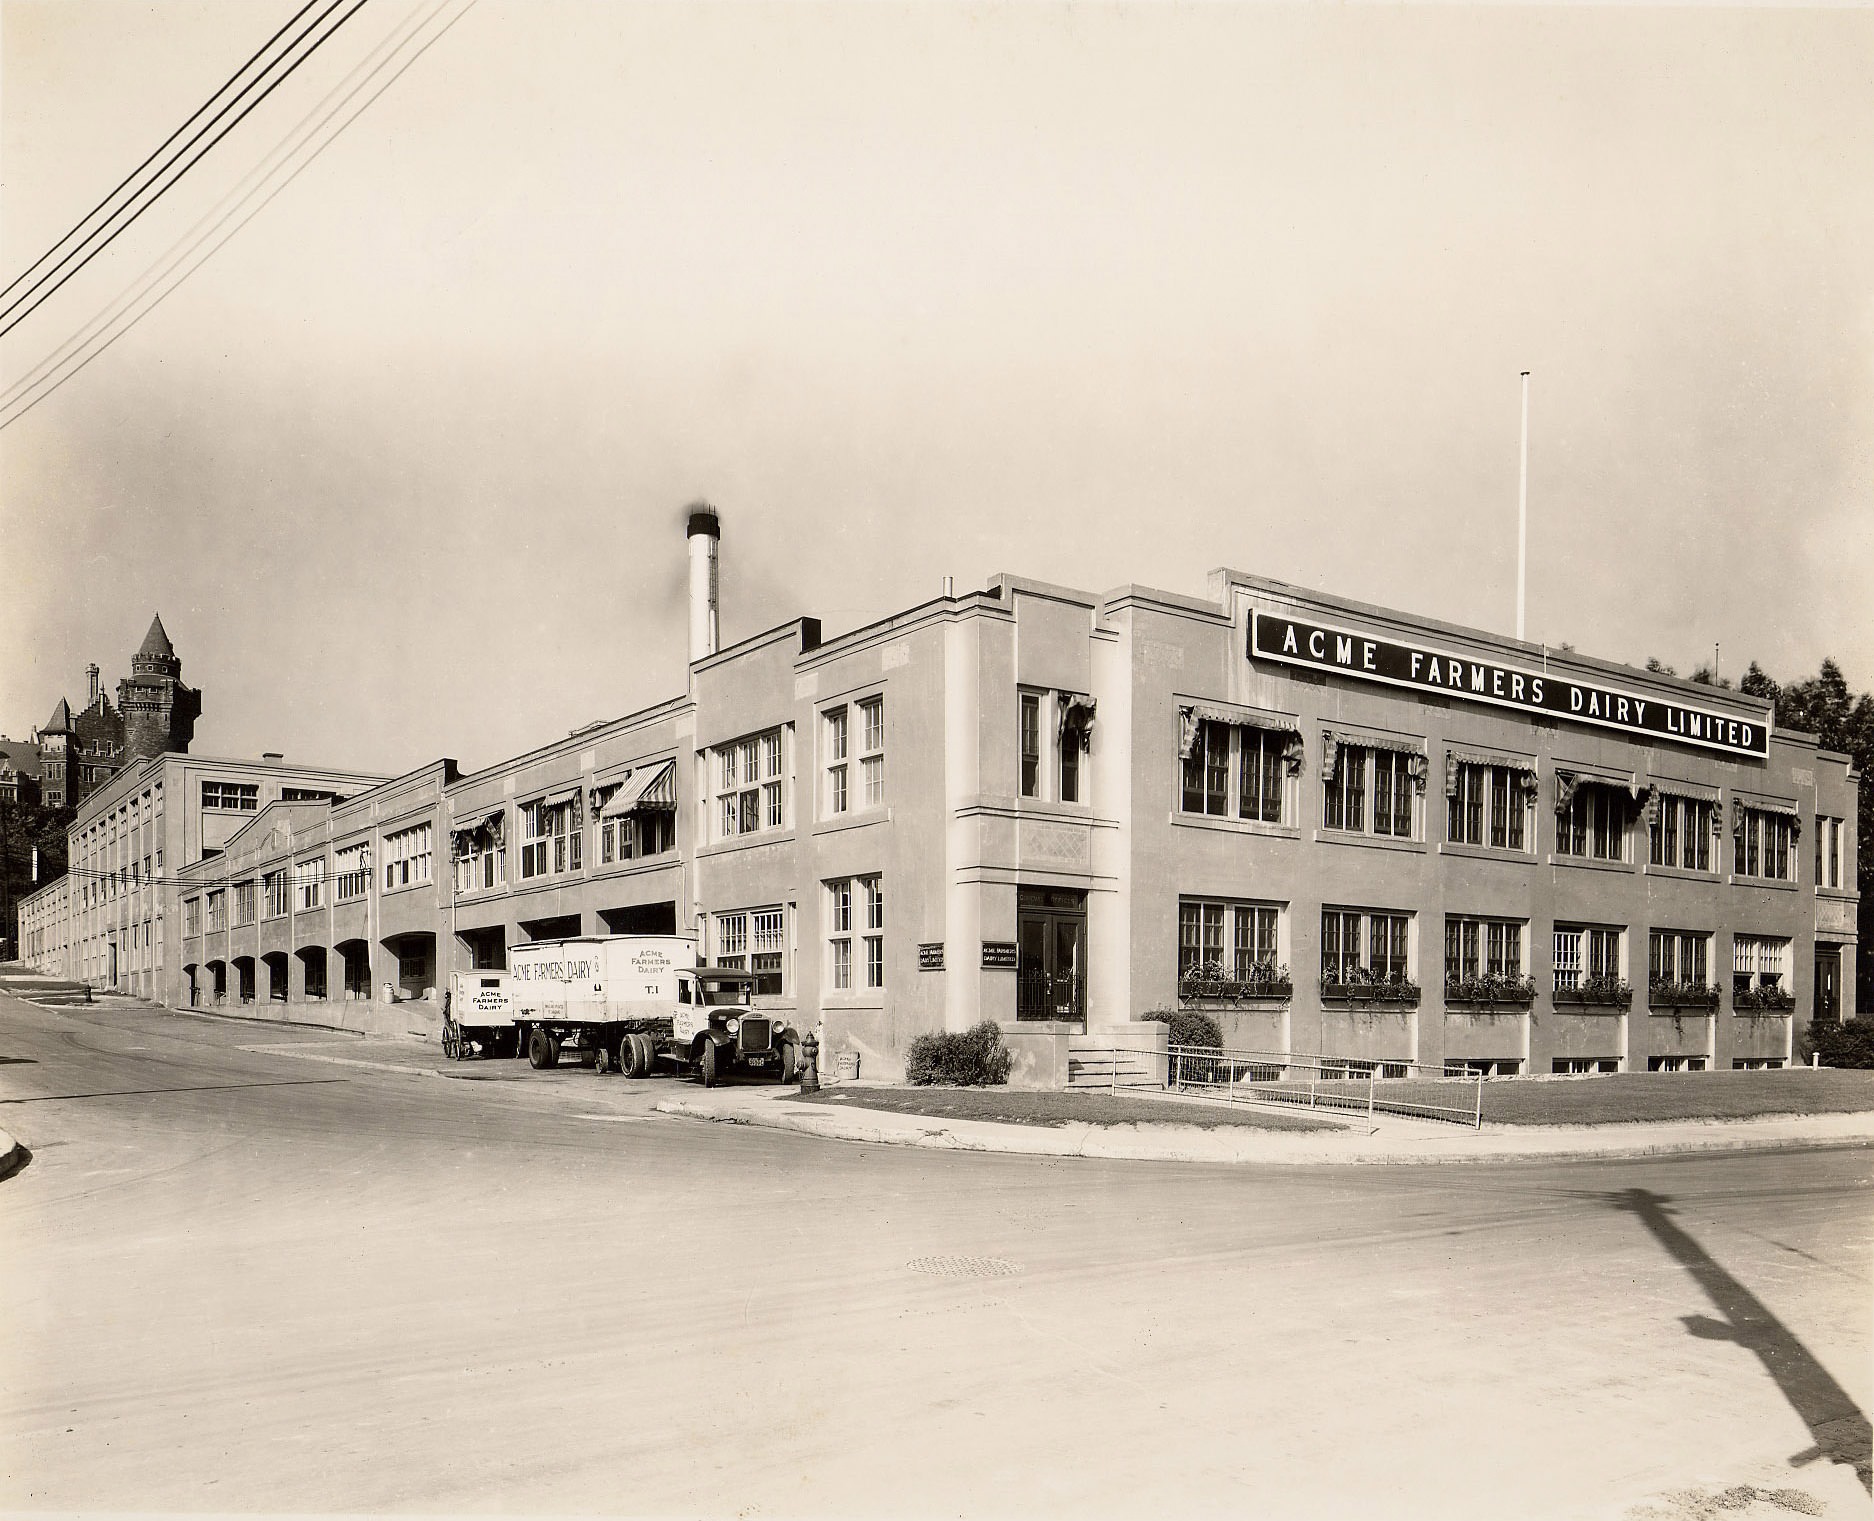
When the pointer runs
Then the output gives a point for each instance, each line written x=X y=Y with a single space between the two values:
x=551 y=836
x=1759 y=963
x=872 y=752
x=1594 y=825
x=1586 y=956
x=1828 y=852
x=1261 y=775
x=732 y=940
x=352 y=867
x=1031 y=744
x=749 y=796
x=1477 y=948
x=407 y=857
x=1365 y=945
x=1487 y=805
x=191 y=916
x=861 y=899
x=1763 y=845
x=244 y=902
x=836 y=730
x=1238 y=942
x=1344 y=797
x=768 y=950
x=1678 y=959
x=309 y=878
x=244 y=796
x=277 y=894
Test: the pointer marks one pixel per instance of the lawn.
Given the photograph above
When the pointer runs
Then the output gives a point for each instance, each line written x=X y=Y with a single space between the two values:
x=1014 y=1107
x=1624 y=1096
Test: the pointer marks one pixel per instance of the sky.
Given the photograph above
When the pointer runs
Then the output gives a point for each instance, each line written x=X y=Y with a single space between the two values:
x=1092 y=294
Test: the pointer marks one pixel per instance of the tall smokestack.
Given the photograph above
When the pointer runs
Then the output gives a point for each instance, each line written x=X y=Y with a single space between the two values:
x=92 y=672
x=705 y=534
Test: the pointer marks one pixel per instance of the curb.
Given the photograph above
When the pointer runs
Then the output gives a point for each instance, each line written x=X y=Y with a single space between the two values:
x=1129 y=1143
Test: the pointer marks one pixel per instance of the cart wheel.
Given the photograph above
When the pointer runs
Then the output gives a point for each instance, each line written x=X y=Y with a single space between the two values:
x=542 y=1050
x=601 y=1061
x=790 y=1062
x=707 y=1065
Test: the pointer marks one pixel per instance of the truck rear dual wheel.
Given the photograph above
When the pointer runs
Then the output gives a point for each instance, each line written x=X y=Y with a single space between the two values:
x=643 y=1056
x=543 y=1051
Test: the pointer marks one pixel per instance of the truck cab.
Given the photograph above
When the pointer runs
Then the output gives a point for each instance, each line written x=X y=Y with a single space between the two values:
x=716 y=1029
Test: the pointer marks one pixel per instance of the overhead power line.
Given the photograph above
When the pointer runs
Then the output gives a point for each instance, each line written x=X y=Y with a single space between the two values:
x=390 y=59
x=86 y=218
x=70 y=268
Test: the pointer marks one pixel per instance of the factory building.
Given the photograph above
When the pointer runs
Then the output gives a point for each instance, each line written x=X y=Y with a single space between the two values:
x=1340 y=829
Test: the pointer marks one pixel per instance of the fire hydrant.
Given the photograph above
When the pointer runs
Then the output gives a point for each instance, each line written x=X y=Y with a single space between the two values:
x=810 y=1064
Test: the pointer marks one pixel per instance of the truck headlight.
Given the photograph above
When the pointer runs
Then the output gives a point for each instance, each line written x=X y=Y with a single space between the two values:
x=732 y=1024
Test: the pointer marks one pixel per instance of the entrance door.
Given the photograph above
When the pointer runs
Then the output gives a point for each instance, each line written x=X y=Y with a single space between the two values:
x=113 y=946
x=1828 y=983
x=1051 y=953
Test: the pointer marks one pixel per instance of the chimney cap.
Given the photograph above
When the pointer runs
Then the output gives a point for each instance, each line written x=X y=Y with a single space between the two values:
x=704 y=519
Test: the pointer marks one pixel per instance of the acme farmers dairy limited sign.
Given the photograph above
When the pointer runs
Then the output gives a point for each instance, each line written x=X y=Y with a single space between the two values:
x=1296 y=641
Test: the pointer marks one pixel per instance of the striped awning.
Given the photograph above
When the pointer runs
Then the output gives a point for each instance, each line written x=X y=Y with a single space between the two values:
x=653 y=786
x=1698 y=792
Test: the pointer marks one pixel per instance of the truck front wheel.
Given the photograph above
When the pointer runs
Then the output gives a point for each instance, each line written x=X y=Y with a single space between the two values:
x=542 y=1050
x=790 y=1062
x=706 y=1064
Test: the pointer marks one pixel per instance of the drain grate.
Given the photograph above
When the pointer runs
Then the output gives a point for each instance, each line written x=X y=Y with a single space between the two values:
x=965 y=1267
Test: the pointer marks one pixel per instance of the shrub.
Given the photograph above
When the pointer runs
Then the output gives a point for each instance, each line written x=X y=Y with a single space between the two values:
x=1189 y=1028
x=969 y=1059
x=1847 y=1045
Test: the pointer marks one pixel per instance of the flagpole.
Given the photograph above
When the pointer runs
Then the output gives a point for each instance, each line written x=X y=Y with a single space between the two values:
x=1522 y=516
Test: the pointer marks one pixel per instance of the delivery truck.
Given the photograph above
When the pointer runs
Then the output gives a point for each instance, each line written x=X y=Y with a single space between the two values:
x=478 y=1016
x=639 y=1004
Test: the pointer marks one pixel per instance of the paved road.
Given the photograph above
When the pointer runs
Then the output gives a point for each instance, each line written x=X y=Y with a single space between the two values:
x=237 y=1280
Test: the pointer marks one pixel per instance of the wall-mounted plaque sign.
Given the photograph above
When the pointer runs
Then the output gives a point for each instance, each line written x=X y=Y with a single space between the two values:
x=999 y=953
x=930 y=956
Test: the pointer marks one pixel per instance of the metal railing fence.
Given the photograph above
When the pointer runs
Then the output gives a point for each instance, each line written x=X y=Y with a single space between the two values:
x=1289 y=1078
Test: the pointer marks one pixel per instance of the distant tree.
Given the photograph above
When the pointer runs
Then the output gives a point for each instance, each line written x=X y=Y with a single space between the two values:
x=1706 y=676
x=1659 y=667
x=1755 y=684
x=23 y=826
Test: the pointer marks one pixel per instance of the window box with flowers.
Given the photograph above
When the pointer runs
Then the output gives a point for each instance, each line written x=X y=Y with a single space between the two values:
x=1595 y=993
x=1764 y=1000
x=1247 y=983
x=1490 y=990
x=1661 y=994
x=1357 y=986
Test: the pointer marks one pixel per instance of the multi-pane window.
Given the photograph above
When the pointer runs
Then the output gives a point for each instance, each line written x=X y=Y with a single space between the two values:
x=1679 y=958
x=749 y=795
x=244 y=902
x=1758 y=962
x=1594 y=824
x=1682 y=833
x=1031 y=743
x=872 y=752
x=837 y=728
x=732 y=941
x=407 y=856
x=1237 y=940
x=310 y=884
x=856 y=912
x=1828 y=852
x=352 y=868
x=1487 y=805
x=1345 y=793
x=551 y=837
x=1762 y=844
x=277 y=896
x=244 y=796
x=767 y=953
x=852 y=734
x=1482 y=948
x=1586 y=954
x=191 y=916
x=1237 y=771
x=1364 y=945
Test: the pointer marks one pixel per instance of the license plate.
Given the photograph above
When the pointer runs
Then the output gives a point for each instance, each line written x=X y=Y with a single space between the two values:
x=757 y=1061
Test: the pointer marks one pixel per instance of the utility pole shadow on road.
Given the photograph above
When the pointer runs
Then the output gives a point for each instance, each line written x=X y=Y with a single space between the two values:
x=1841 y=1430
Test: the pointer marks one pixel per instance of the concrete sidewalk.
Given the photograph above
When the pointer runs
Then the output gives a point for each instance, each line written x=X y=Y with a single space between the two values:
x=1396 y=1140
